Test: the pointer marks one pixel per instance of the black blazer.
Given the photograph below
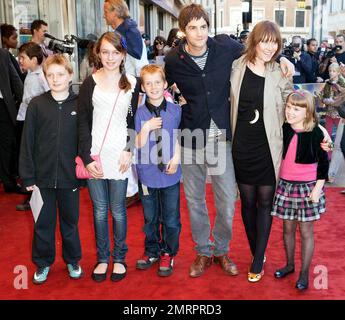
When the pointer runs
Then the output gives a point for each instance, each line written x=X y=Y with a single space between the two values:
x=308 y=148
x=11 y=85
x=207 y=91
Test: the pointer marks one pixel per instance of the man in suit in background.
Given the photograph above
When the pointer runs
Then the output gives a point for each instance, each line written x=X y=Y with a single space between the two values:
x=11 y=92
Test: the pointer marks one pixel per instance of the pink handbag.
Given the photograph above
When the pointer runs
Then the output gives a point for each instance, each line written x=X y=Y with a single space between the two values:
x=80 y=170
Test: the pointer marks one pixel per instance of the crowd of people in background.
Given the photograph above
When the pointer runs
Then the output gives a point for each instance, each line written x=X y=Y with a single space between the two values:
x=186 y=87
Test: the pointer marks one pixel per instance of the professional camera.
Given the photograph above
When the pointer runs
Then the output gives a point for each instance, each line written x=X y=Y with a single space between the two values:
x=61 y=46
x=330 y=54
x=289 y=50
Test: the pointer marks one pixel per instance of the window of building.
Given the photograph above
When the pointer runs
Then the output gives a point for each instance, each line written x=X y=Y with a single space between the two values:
x=235 y=18
x=210 y=17
x=279 y=16
x=160 y=20
x=258 y=15
x=335 y=5
x=300 y=18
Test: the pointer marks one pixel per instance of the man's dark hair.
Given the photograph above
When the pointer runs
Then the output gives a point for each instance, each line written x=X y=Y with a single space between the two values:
x=7 y=30
x=32 y=50
x=36 y=25
x=191 y=12
x=309 y=41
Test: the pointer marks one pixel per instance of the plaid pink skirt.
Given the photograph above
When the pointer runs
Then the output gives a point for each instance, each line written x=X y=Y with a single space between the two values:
x=291 y=202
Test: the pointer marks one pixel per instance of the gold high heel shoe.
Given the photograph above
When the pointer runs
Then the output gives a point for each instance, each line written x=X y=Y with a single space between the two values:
x=255 y=277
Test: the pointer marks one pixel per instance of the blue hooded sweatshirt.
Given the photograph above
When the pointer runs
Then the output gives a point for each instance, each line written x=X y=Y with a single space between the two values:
x=128 y=29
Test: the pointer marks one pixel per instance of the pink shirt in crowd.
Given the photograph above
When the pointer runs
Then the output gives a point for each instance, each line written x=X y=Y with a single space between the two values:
x=292 y=171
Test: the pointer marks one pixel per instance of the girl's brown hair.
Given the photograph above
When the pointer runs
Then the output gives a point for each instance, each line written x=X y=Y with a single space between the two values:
x=118 y=42
x=304 y=99
x=264 y=31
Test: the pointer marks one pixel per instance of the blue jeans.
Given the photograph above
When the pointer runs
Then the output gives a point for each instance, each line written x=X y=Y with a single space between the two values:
x=109 y=194
x=161 y=209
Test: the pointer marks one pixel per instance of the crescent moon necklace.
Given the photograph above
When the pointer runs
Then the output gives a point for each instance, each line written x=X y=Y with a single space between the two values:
x=257 y=116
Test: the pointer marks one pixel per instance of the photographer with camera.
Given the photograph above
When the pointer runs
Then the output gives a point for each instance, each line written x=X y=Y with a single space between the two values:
x=39 y=28
x=312 y=52
x=335 y=55
x=339 y=49
x=301 y=60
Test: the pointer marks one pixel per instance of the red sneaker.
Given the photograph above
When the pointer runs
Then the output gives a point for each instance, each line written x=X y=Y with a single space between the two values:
x=166 y=265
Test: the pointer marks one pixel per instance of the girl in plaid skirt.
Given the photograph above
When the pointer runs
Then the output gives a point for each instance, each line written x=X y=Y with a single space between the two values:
x=300 y=197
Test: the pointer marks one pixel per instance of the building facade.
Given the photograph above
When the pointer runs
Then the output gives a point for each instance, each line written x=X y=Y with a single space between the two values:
x=293 y=17
x=328 y=19
x=85 y=17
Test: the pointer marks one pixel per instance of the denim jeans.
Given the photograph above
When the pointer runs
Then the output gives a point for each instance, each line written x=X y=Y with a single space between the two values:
x=195 y=167
x=109 y=194
x=161 y=209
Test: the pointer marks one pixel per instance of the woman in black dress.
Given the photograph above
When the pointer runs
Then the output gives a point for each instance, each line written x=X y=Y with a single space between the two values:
x=258 y=93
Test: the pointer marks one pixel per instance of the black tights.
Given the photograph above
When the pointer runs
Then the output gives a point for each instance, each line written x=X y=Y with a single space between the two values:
x=256 y=204
x=307 y=243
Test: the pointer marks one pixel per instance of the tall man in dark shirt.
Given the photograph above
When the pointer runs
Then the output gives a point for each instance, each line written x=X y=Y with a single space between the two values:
x=201 y=67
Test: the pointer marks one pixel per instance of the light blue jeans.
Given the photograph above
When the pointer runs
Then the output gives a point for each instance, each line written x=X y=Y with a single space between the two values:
x=109 y=194
x=196 y=165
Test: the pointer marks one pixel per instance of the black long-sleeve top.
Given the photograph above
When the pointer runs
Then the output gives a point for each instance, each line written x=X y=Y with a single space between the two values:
x=308 y=148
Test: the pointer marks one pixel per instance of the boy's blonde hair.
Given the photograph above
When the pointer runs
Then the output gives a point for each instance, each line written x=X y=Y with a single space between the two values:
x=304 y=99
x=335 y=66
x=151 y=69
x=58 y=59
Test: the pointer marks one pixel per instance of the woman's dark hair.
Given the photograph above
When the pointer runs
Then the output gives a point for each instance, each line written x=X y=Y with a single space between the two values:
x=118 y=42
x=158 y=40
x=172 y=36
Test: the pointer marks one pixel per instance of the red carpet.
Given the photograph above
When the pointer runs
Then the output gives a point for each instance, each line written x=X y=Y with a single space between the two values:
x=16 y=234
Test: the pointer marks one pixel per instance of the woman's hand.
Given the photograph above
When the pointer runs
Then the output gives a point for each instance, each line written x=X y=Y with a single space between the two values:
x=315 y=195
x=94 y=170
x=125 y=161
x=327 y=145
x=172 y=165
x=182 y=101
x=31 y=188
x=287 y=67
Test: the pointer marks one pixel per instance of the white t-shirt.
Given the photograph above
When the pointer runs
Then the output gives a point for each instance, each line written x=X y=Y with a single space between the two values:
x=116 y=139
